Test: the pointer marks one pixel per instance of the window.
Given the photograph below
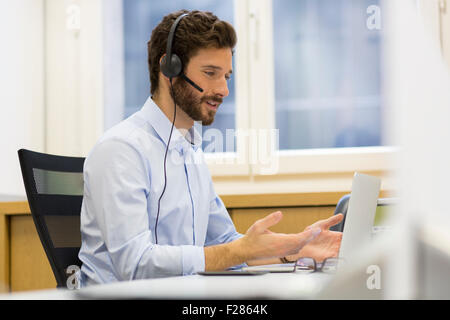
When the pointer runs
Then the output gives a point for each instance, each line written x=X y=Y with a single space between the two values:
x=327 y=74
x=308 y=70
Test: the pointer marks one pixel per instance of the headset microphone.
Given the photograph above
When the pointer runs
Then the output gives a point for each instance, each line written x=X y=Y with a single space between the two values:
x=192 y=83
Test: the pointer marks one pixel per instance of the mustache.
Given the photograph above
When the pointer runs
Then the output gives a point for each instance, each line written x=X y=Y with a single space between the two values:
x=212 y=98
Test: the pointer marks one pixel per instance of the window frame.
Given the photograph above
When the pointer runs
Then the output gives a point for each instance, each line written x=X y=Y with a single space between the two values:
x=254 y=74
x=312 y=169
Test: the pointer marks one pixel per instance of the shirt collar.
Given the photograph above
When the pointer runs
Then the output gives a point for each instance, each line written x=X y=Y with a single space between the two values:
x=162 y=125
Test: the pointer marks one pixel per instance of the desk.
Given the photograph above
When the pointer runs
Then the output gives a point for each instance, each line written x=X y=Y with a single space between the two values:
x=196 y=287
x=24 y=265
x=266 y=286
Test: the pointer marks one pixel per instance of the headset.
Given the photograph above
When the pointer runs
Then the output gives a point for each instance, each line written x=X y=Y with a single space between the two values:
x=171 y=66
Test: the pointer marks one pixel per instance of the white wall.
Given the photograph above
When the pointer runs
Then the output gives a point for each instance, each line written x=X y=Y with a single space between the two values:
x=21 y=87
x=51 y=84
x=74 y=75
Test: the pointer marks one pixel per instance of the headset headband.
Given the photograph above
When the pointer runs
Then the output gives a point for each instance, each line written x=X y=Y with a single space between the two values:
x=172 y=35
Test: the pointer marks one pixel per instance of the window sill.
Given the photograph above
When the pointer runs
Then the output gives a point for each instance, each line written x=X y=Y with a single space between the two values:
x=292 y=190
x=305 y=162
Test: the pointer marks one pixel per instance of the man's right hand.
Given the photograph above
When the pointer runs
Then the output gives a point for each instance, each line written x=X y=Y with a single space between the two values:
x=261 y=243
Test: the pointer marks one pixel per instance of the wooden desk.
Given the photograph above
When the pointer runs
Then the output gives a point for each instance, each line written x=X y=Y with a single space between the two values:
x=24 y=265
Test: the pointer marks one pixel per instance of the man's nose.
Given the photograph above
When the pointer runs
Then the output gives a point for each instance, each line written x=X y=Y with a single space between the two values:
x=222 y=89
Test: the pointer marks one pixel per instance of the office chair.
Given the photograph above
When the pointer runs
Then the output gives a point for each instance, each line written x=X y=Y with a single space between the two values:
x=342 y=207
x=54 y=188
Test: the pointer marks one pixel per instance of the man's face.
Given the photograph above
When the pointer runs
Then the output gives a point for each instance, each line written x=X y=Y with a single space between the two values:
x=210 y=69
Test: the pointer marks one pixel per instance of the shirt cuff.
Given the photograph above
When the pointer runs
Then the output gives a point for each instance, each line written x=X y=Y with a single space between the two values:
x=193 y=259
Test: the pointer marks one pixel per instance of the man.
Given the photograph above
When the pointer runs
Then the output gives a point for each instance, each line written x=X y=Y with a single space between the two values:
x=149 y=207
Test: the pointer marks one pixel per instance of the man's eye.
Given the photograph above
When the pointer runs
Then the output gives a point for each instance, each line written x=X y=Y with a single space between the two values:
x=209 y=73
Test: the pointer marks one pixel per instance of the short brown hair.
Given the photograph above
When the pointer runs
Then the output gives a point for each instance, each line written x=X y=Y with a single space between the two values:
x=198 y=30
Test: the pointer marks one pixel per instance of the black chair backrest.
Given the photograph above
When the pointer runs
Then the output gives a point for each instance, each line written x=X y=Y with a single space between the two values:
x=54 y=188
x=341 y=207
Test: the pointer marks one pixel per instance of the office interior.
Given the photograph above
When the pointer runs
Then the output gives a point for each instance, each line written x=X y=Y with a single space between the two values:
x=320 y=90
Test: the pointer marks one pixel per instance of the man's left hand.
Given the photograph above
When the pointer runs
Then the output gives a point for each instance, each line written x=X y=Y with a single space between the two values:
x=326 y=244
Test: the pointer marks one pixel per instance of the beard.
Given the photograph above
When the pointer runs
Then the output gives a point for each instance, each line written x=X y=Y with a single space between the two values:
x=184 y=96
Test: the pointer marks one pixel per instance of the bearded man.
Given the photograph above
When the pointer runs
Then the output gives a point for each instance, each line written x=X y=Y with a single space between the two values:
x=149 y=206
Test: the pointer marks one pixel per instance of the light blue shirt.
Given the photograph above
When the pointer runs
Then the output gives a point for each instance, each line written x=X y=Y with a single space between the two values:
x=123 y=180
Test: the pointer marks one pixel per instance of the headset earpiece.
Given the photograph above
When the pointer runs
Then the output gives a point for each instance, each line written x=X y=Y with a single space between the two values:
x=172 y=67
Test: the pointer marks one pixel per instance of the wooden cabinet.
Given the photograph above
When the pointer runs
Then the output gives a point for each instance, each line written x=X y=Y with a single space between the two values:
x=29 y=267
x=294 y=219
x=299 y=209
x=23 y=263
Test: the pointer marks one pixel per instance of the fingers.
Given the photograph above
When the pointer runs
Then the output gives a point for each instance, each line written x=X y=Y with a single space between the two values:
x=268 y=221
x=333 y=220
x=327 y=223
x=261 y=226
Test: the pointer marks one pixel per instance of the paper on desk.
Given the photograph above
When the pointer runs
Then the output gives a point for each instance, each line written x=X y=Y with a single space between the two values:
x=282 y=267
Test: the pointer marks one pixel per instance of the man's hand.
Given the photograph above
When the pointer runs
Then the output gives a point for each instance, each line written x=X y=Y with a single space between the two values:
x=259 y=242
x=326 y=244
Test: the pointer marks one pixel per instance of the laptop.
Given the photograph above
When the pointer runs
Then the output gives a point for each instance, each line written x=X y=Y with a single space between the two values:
x=358 y=225
x=360 y=214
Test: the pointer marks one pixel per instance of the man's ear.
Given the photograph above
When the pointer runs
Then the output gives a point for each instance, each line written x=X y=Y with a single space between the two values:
x=163 y=75
x=160 y=59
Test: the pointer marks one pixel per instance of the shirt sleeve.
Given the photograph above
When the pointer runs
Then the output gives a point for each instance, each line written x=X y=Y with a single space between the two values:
x=118 y=179
x=220 y=226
